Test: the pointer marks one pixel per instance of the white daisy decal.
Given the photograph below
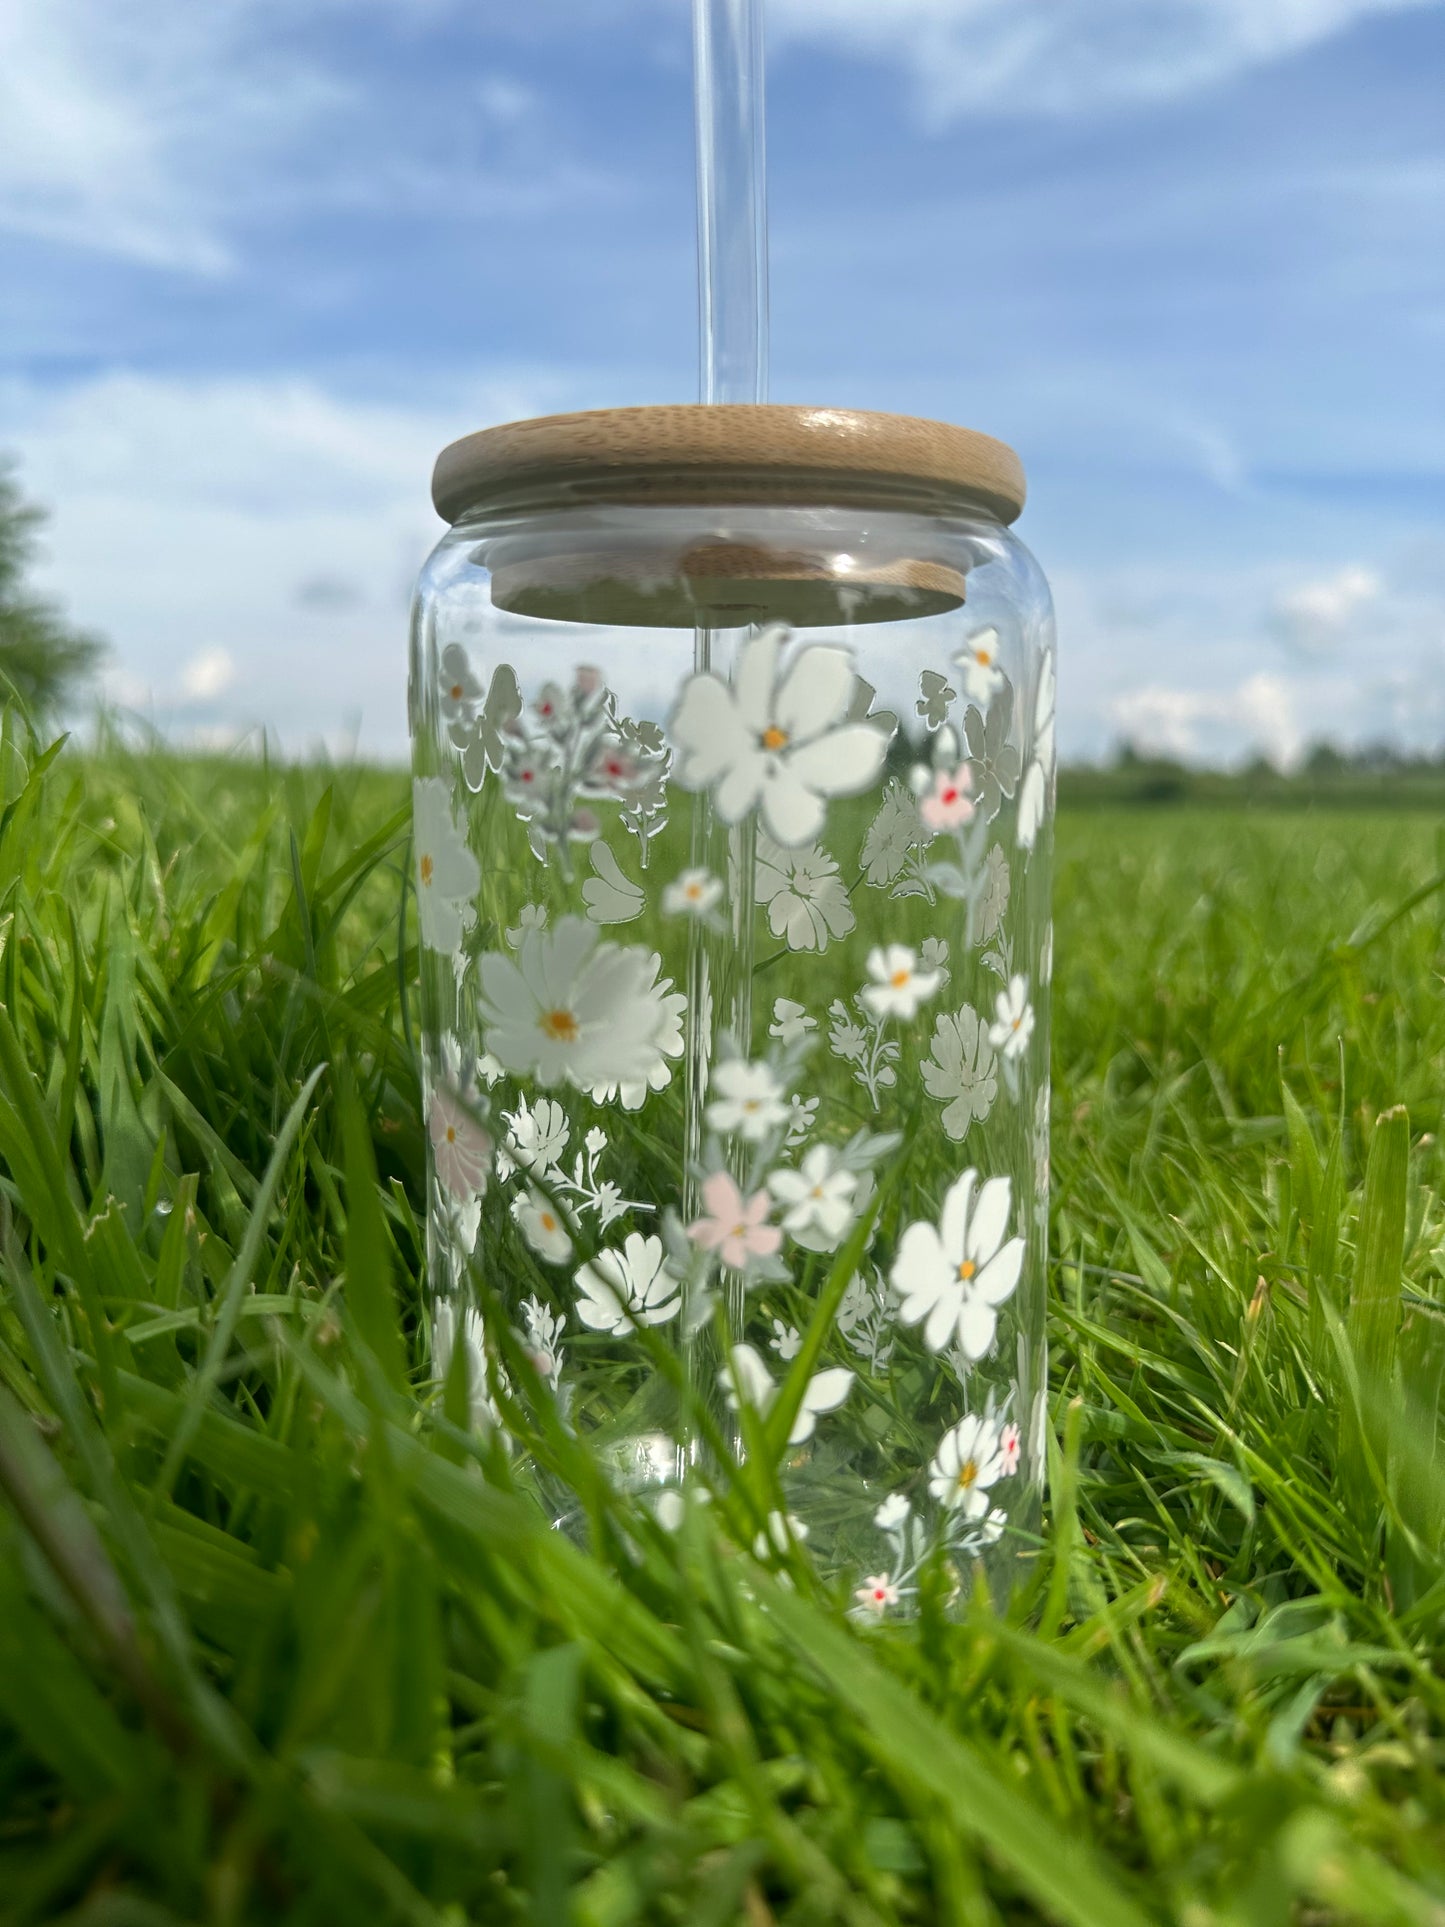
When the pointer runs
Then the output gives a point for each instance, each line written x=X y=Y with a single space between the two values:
x=1013 y=1023
x=570 y=1007
x=747 y=1098
x=541 y=1224
x=448 y=876
x=817 y=1197
x=953 y=1276
x=459 y=688
x=805 y=898
x=779 y=743
x=979 y=661
x=692 y=894
x=900 y=983
x=622 y=1289
x=966 y=1467
x=825 y=1392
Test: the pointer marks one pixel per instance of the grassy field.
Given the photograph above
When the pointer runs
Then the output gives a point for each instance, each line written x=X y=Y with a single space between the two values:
x=279 y=1643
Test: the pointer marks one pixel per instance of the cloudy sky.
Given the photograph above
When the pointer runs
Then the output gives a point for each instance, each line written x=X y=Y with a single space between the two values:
x=260 y=259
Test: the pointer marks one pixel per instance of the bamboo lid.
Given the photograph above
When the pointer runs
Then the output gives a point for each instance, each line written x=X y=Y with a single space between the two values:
x=740 y=452
x=737 y=457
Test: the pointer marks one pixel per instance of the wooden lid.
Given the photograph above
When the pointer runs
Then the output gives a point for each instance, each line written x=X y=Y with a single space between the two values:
x=719 y=585
x=733 y=452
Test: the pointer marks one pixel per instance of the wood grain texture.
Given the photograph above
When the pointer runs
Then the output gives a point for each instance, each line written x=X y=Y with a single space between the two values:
x=772 y=452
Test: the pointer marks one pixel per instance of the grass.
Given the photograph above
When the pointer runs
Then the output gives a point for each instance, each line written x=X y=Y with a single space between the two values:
x=279 y=1642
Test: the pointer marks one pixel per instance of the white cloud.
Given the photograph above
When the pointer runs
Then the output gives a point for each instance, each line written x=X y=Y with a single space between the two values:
x=1262 y=713
x=1192 y=660
x=155 y=129
x=124 y=118
x=187 y=515
x=1317 y=617
x=985 y=57
x=208 y=675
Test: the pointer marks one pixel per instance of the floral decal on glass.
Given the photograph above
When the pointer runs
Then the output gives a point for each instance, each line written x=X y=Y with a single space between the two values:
x=447 y=874
x=803 y=894
x=569 y=1007
x=743 y=1057
x=779 y=737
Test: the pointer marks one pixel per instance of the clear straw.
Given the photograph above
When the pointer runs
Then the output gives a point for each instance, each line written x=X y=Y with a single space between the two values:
x=732 y=208
x=732 y=269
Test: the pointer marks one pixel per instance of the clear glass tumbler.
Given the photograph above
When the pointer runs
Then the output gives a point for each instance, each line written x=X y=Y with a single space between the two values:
x=733 y=737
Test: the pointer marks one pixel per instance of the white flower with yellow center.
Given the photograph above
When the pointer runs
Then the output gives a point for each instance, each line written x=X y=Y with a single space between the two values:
x=747 y=1099
x=460 y=691
x=967 y=1466
x=570 y=1007
x=1013 y=1023
x=542 y=1225
x=778 y=743
x=817 y=1196
x=448 y=876
x=982 y=671
x=900 y=984
x=693 y=893
x=953 y=1276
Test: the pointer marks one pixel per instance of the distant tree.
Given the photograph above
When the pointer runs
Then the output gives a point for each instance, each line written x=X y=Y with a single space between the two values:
x=1324 y=760
x=43 y=660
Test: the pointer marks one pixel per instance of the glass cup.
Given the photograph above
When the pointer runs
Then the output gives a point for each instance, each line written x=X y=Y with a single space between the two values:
x=733 y=737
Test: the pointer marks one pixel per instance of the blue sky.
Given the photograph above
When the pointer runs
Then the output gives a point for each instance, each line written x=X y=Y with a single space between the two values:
x=259 y=259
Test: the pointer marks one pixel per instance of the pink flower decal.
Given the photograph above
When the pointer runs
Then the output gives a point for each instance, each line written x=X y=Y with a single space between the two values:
x=463 y=1149
x=950 y=802
x=877 y=1593
x=1009 y=1447
x=735 y=1226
